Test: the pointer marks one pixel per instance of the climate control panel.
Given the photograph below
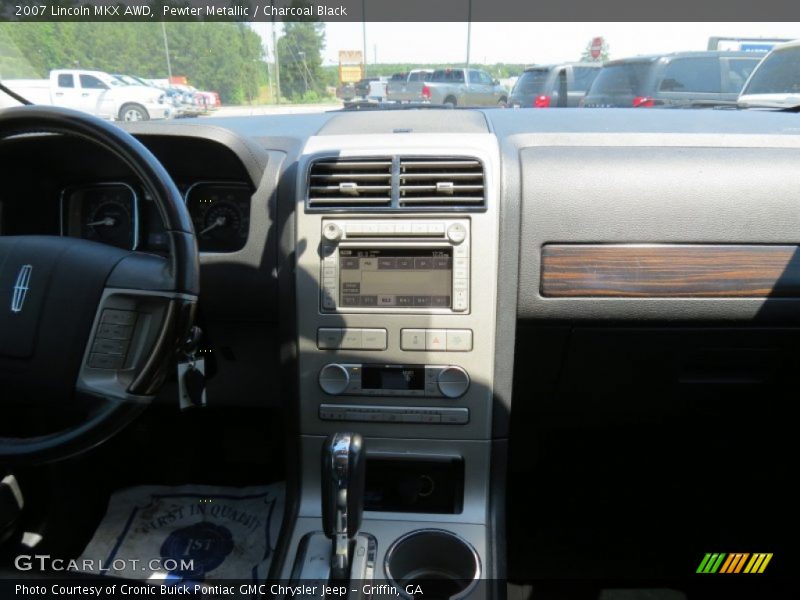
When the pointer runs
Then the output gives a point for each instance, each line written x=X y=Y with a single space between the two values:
x=427 y=381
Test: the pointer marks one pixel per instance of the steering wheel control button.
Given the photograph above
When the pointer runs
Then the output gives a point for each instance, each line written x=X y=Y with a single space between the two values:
x=453 y=382
x=333 y=379
x=102 y=346
x=109 y=331
x=118 y=317
x=459 y=340
x=105 y=361
x=412 y=339
x=456 y=233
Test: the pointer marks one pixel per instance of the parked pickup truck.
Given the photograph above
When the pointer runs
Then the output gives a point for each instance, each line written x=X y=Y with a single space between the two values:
x=407 y=87
x=95 y=92
x=463 y=87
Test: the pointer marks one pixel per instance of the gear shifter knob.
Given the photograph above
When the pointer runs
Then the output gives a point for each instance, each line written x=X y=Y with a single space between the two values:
x=343 y=466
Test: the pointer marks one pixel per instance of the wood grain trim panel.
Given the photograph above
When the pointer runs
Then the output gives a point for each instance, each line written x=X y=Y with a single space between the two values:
x=670 y=271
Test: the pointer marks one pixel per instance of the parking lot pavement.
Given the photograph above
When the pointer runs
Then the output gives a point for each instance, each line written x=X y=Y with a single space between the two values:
x=271 y=109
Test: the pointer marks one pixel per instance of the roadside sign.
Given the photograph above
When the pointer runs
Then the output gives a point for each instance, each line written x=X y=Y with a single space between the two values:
x=596 y=48
x=350 y=73
x=351 y=66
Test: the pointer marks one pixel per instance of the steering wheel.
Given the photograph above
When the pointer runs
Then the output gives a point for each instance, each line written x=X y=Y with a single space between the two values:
x=83 y=325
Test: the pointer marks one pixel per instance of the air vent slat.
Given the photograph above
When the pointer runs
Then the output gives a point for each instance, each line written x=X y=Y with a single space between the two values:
x=438 y=201
x=347 y=176
x=432 y=174
x=347 y=183
x=409 y=189
x=441 y=164
x=441 y=182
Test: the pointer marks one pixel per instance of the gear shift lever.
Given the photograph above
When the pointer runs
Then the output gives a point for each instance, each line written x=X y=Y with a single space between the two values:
x=343 y=466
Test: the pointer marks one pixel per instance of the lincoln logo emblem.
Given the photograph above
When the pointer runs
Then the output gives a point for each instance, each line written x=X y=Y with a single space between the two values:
x=21 y=288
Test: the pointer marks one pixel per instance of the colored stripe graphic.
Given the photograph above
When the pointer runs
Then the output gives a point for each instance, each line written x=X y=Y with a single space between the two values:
x=734 y=563
x=721 y=562
x=758 y=563
x=711 y=562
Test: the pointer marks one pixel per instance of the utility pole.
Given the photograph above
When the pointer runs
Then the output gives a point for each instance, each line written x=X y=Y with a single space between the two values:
x=364 y=33
x=268 y=59
x=277 y=64
x=469 y=28
x=166 y=50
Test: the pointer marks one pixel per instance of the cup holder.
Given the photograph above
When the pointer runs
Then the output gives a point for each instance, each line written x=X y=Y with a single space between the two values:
x=443 y=564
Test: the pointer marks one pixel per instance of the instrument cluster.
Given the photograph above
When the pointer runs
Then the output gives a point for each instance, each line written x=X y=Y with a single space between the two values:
x=119 y=214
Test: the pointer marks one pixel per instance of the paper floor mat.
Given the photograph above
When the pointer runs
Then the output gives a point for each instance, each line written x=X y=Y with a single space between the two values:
x=188 y=533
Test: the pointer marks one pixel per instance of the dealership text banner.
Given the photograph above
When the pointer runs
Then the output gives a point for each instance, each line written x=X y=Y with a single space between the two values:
x=397 y=10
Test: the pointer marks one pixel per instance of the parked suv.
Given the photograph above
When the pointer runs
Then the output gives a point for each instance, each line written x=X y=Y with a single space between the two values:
x=776 y=80
x=561 y=85
x=670 y=80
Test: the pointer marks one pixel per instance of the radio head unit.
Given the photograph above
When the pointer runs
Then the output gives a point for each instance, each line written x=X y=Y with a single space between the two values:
x=395 y=265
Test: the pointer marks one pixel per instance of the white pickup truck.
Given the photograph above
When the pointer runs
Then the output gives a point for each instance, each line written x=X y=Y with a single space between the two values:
x=95 y=92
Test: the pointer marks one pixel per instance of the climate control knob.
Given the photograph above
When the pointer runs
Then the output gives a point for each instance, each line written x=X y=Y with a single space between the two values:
x=333 y=379
x=453 y=382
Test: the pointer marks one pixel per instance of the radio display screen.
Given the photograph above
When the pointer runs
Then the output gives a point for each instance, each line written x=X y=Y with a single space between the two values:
x=391 y=377
x=395 y=277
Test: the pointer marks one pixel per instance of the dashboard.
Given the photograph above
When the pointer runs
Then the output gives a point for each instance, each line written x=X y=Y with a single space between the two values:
x=412 y=274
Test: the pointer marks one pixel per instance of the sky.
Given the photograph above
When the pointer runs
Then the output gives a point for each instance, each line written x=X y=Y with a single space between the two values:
x=527 y=43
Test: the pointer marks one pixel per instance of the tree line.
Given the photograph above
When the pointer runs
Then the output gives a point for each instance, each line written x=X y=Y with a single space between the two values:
x=220 y=56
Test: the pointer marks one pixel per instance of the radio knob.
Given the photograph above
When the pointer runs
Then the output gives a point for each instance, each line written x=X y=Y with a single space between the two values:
x=453 y=382
x=456 y=233
x=333 y=379
x=332 y=232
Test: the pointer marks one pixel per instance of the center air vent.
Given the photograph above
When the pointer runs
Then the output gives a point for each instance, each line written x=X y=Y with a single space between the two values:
x=440 y=182
x=393 y=183
x=344 y=183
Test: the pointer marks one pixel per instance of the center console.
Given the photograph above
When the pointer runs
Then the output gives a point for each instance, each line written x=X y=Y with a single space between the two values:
x=396 y=285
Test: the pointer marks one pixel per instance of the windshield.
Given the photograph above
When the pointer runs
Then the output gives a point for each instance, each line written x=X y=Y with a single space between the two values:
x=241 y=67
x=778 y=74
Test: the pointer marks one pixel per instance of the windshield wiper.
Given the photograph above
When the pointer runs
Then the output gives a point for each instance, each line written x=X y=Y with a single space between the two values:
x=712 y=104
x=369 y=105
x=15 y=95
